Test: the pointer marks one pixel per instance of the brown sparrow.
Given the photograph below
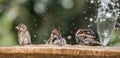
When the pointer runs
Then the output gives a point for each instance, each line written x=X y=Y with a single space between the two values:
x=86 y=37
x=24 y=37
x=55 y=38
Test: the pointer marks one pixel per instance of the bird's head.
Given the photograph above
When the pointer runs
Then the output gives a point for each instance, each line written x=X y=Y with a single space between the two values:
x=21 y=27
x=55 y=31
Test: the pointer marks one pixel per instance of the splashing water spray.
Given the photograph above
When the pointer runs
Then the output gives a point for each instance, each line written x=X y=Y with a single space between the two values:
x=108 y=13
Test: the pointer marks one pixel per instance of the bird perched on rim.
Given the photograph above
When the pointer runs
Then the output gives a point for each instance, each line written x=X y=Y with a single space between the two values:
x=86 y=37
x=56 y=38
x=24 y=37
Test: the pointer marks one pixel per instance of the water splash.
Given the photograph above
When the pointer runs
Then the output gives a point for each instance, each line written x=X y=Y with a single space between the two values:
x=108 y=12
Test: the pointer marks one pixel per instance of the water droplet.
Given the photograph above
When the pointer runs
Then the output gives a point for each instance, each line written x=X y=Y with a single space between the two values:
x=91 y=1
x=96 y=21
x=63 y=32
x=95 y=16
x=35 y=36
x=119 y=24
x=21 y=1
x=106 y=33
x=71 y=31
x=69 y=37
x=44 y=1
x=89 y=25
x=67 y=4
x=45 y=41
x=91 y=19
x=90 y=7
x=35 y=25
x=117 y=28
x=113 y=36
x=119 y=37
x=73 y=23
x=118 y=4
x=35 y=20
x=39 y=8
x=98 y=1
x=87 y=0
x=46 y=34
x=58 y=27
x=111 y=44
x=84 y=12
x=86 y=18
x=108 y=15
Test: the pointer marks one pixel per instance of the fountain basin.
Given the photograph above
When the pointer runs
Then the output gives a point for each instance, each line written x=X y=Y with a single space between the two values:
x=52 y=51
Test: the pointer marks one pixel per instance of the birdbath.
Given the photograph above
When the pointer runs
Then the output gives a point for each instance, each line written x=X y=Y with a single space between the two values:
x=54 y=51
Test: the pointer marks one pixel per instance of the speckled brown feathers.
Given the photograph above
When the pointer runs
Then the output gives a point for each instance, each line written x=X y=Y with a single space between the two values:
x=86 y=37
x=24 y=37
x=55 y=38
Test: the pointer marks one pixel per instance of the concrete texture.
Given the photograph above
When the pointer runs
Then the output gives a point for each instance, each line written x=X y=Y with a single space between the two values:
x=52 y=51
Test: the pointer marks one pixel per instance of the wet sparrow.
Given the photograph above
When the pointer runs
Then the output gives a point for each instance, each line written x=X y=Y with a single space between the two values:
x=86 y=37
x=55 y=38
x=24 y=37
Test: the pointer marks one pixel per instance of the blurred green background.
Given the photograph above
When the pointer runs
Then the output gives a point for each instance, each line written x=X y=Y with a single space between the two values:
x=41 y=16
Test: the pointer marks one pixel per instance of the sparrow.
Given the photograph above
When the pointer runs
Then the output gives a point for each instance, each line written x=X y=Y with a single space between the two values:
x=24 y=37
x=86 y=37
x=56 y=38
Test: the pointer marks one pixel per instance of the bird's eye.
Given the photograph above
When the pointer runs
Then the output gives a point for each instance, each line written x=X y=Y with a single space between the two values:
x=86 y=30
x=81 y=32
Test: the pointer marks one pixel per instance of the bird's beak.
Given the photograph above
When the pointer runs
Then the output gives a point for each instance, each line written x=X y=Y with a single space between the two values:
x=16 y=27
